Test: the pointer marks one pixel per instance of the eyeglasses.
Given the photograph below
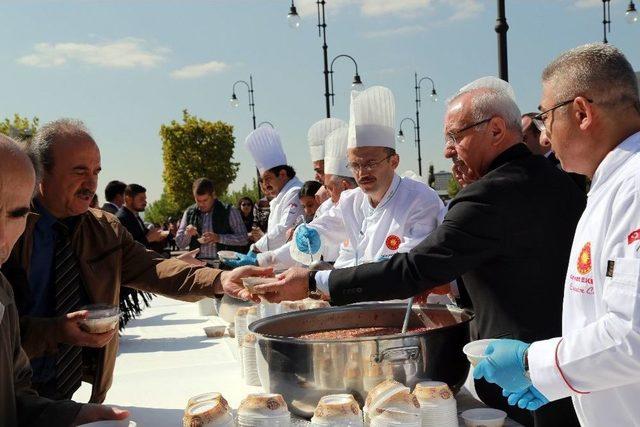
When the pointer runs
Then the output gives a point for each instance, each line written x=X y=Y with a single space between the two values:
x=543 y=116
x=452 y=137
x=367 y=167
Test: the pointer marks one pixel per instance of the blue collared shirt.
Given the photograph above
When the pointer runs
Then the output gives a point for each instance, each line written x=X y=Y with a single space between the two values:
x=41 y=281
x=41 y=266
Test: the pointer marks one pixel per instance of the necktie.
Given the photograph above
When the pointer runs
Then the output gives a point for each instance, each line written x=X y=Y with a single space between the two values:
x=68 y=299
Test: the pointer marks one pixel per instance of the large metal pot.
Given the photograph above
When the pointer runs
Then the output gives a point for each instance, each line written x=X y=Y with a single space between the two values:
x=303 y=371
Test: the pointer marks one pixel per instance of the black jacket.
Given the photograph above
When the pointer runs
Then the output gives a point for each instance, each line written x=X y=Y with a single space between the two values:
x=109 y=207
x=580 y=180
x=133 y=225
x=508 y=235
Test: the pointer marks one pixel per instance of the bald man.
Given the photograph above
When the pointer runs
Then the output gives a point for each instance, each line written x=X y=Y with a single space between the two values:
x=19 y=403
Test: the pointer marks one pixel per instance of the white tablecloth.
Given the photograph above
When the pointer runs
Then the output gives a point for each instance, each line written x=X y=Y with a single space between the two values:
x=165 y=358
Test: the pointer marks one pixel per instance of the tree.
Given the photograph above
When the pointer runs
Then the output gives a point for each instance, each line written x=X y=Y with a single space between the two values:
x=20 y=127
x=246 y=191
x=161 y=210
x=193 y=149
x=453 y=187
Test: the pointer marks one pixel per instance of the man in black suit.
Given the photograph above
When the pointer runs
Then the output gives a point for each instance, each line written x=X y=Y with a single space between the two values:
x=508 y=235
x=114 y=196
x=539 y=143
x=135 y=201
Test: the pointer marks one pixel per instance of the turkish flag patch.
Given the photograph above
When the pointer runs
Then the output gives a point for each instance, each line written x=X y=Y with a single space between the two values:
x=633 y=236
x=393 y=242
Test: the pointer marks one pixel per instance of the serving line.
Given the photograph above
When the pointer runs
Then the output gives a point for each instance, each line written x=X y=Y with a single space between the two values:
x=165 y=358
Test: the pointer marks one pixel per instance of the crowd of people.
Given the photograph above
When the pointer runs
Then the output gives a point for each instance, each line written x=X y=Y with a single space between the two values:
x=551 y=271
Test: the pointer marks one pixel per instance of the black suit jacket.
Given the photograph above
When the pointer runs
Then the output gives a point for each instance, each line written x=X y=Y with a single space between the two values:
x=508 y=235
x=111 y=208
x=580 y=180
x=133 y=225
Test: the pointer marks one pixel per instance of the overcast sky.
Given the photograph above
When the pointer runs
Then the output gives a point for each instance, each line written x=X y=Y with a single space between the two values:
x=127 y=66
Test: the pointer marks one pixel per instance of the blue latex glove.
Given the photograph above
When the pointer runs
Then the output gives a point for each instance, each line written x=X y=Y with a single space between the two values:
x=251 y=258
x=504 y=365
x=529 y=398
x=306 y=238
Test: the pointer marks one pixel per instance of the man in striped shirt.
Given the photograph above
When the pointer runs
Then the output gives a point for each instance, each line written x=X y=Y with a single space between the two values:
x=209 y=224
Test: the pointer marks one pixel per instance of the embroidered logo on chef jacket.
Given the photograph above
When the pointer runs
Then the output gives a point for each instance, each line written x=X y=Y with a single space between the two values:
x=584 y=259
x=635 y=235
x=393 y=242
x=582 y=283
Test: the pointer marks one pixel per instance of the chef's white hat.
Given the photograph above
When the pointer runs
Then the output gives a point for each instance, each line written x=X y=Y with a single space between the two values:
x=373 y=118
x=317 y=134
x=265 y=148
x=335 y=153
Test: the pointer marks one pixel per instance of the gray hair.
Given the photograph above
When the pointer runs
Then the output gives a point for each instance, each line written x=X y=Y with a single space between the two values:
x=351 y=180
x=19 y=148
x=492 y=97
x=41 y=145
x=596 y=70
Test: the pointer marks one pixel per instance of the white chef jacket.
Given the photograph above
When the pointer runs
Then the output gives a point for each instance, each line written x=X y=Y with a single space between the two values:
x=285 y=209
x=281 y=258
x=407 y=213
x=599 y=352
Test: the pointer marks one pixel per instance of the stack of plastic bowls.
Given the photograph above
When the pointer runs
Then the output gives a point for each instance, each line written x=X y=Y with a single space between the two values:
x=263 y=410
x=337 y=410
x=437 y=404
x=208 y=410
x=249 y=360
x=390 y=403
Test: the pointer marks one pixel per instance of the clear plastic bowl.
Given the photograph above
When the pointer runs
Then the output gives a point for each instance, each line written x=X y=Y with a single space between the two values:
x=102 y=318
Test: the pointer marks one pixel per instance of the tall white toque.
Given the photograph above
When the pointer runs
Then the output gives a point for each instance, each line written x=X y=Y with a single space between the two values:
x=265 y=148
x=335 y=153
x=372 y=120
x=317 y=134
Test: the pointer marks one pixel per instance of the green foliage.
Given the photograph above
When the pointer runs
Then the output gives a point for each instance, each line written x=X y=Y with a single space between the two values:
x=193 y=149
x=161 y=210
x=20 y=127
x=246 y=191
x=453 y=187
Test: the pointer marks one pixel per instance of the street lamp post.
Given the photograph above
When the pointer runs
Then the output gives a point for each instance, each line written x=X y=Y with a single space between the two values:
x=501 y=28
x=401 y=138
x=434 y=98
x=294 y=22
x=357 y=81
x=631 y=15
x=606 y=19
x=234 y=102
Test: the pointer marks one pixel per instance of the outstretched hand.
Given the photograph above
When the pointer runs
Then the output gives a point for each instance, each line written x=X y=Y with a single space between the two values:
x=292 y=285
x=232 y=281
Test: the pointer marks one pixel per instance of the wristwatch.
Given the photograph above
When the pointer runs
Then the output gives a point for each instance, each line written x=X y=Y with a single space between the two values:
x=312 y=281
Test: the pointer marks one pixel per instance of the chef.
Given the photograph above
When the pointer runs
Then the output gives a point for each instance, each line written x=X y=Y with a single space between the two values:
x=591 y=112
x=281 y=183
x=316 y=137
x=337 y=178
x=385 y=214
x=508 y=235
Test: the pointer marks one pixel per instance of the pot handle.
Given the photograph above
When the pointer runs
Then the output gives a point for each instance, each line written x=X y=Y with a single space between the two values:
x=397 y=354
